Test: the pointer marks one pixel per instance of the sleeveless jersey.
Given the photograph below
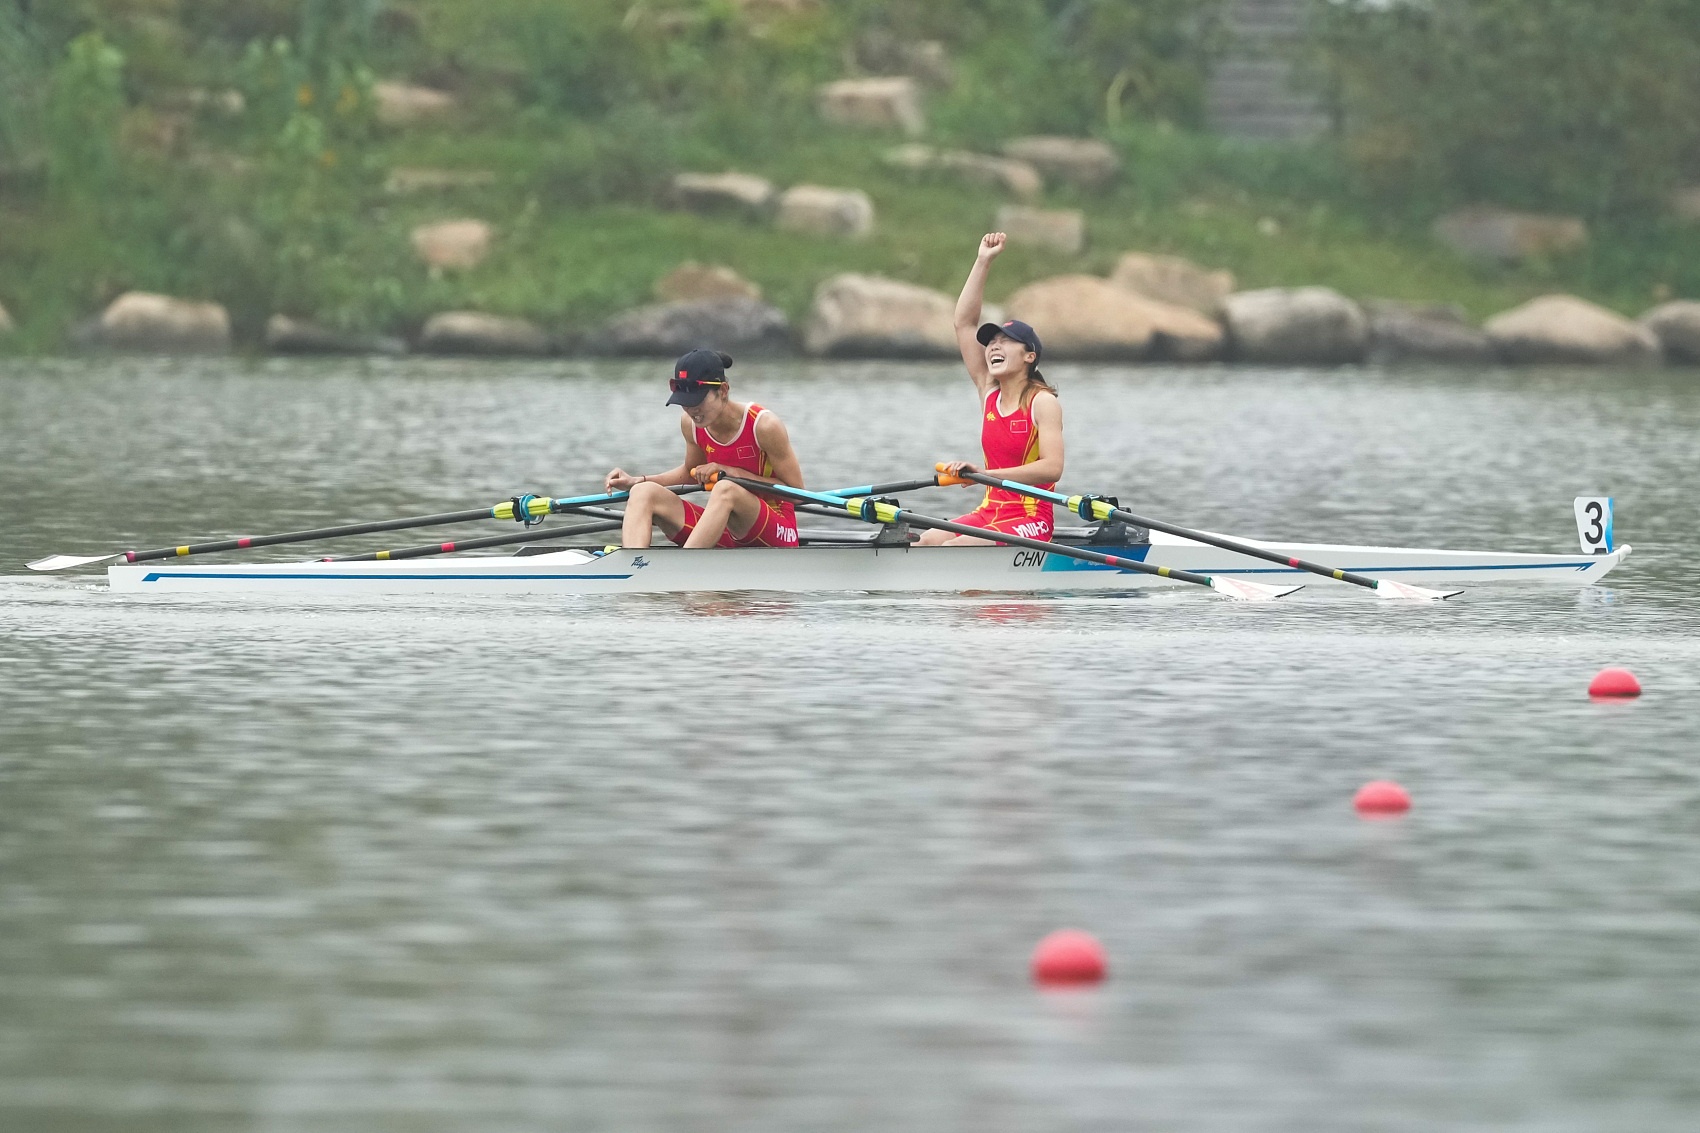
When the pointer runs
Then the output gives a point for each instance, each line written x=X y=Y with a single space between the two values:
x=1009 y=442
x=743 y=451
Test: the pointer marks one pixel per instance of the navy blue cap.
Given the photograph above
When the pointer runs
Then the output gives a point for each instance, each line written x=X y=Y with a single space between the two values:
x=1016 y=329
x=695 y=373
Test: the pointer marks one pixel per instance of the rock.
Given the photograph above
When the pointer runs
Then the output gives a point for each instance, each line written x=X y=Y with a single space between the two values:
x=1060 y=230
x=1685 y=204
x=819 y=211
x=1296 y=326
x=415 y=179
x=473 y=332
x=285 y=335
x=871 y=316
x=741 y=194
x=453 y=243
x=403 y=104
x=1563 y=328
x=1677 y=326
x=1504 y=236
x=142 y=321
x=227 y=103
x=691 y=280
x=884 y=53
x=1083 y=316
x=1017 y=178
x=1171 y=279
x=6 y=325
x=1413 y=332
x=1086 y=162
x=884 y=103
x=740 y=325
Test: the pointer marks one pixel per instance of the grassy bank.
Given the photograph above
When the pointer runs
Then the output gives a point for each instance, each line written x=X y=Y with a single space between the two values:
x=242 y=210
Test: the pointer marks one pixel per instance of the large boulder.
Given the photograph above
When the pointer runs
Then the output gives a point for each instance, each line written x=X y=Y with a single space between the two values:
x=1083 y=316
x=1505 y=236
x=819 y=211
x=404 y=104
x=881 y=103
x=1017 y=178
x=456 y=244
x=285 y=335
x=691 y=280
x=474 y=332
x=1565 y=329
x=160 y=324
x=740 y=325
x=1295 y=326
x=1677 y=326
x=881 y=52
x=721 y=194
x=1058 y=230
x=1171 y=279
x=871 y=316
x=1086 y=162
x=1414 y=332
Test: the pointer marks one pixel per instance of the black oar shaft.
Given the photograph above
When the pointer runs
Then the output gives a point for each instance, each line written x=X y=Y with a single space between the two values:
x=244 y=543
x=427 y=549
x=1103 y=509
x=884 y=513
x=611 y=520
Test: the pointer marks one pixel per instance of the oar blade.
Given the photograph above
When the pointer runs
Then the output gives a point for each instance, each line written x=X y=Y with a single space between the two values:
x=1243 y=591
x=66 y=562
x=1404 y=591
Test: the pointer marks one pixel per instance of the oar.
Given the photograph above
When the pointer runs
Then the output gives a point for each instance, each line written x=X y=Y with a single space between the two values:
x=1097 y=507
x=429 y=549
x=878 y=511
x=530 y=509
x=612 y=520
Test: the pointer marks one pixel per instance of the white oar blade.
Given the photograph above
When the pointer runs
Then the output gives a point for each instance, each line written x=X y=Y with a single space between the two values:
x=1387 y=588
x=1250 y=591
x=66 y=562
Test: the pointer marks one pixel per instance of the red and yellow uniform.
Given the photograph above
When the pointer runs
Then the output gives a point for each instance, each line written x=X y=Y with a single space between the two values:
x=777 y=525
x=1009 y=442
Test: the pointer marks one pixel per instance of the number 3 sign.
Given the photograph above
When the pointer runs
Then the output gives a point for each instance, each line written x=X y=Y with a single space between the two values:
x=1593 y=524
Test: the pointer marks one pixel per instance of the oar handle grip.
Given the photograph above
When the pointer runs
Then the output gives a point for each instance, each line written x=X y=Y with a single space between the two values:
x=945 y=479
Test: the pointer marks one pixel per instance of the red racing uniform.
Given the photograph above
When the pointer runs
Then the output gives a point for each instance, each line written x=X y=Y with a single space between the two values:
x=1009 y=442
x=777 y=524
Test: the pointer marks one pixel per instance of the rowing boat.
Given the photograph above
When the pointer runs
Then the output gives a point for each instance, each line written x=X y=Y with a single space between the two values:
x=844 y=562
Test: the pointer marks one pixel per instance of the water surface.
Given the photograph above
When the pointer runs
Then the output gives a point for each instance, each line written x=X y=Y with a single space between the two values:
x=764 y=862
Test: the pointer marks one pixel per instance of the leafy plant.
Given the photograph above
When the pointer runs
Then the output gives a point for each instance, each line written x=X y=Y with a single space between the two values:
x=1543 y=103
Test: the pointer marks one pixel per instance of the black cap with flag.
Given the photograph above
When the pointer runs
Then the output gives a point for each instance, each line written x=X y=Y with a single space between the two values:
x=1016 y=329
x=695 y=373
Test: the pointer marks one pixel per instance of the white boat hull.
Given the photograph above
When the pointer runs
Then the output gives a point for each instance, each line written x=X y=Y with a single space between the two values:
x=848 y=568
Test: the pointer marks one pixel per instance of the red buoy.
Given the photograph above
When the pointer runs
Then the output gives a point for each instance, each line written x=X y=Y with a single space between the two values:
x=1382 y=797
x=1068 y=956
x=1614 y=682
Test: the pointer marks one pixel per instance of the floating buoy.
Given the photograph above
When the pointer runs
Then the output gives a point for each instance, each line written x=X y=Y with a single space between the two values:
x=1614 y=682
x=1382 y=797
x=1068 y=956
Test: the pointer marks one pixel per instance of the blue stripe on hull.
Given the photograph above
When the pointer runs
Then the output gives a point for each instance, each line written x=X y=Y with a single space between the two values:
x=377 y=576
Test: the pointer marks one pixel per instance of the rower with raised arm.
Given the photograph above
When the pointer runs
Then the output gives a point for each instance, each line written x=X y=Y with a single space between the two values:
x=756 y=447
x=1021 y=424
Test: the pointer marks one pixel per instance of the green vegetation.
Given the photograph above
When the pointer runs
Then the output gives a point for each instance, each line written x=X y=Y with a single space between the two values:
x=124 y=164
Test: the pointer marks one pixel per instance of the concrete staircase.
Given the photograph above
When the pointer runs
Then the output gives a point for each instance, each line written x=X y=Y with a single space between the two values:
x=1251 y=92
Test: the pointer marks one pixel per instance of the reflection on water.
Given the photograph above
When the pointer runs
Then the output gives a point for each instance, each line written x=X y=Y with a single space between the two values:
x=776 y=862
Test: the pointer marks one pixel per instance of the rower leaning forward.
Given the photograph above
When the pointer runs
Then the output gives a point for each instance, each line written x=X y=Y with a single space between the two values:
x=721 y=435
